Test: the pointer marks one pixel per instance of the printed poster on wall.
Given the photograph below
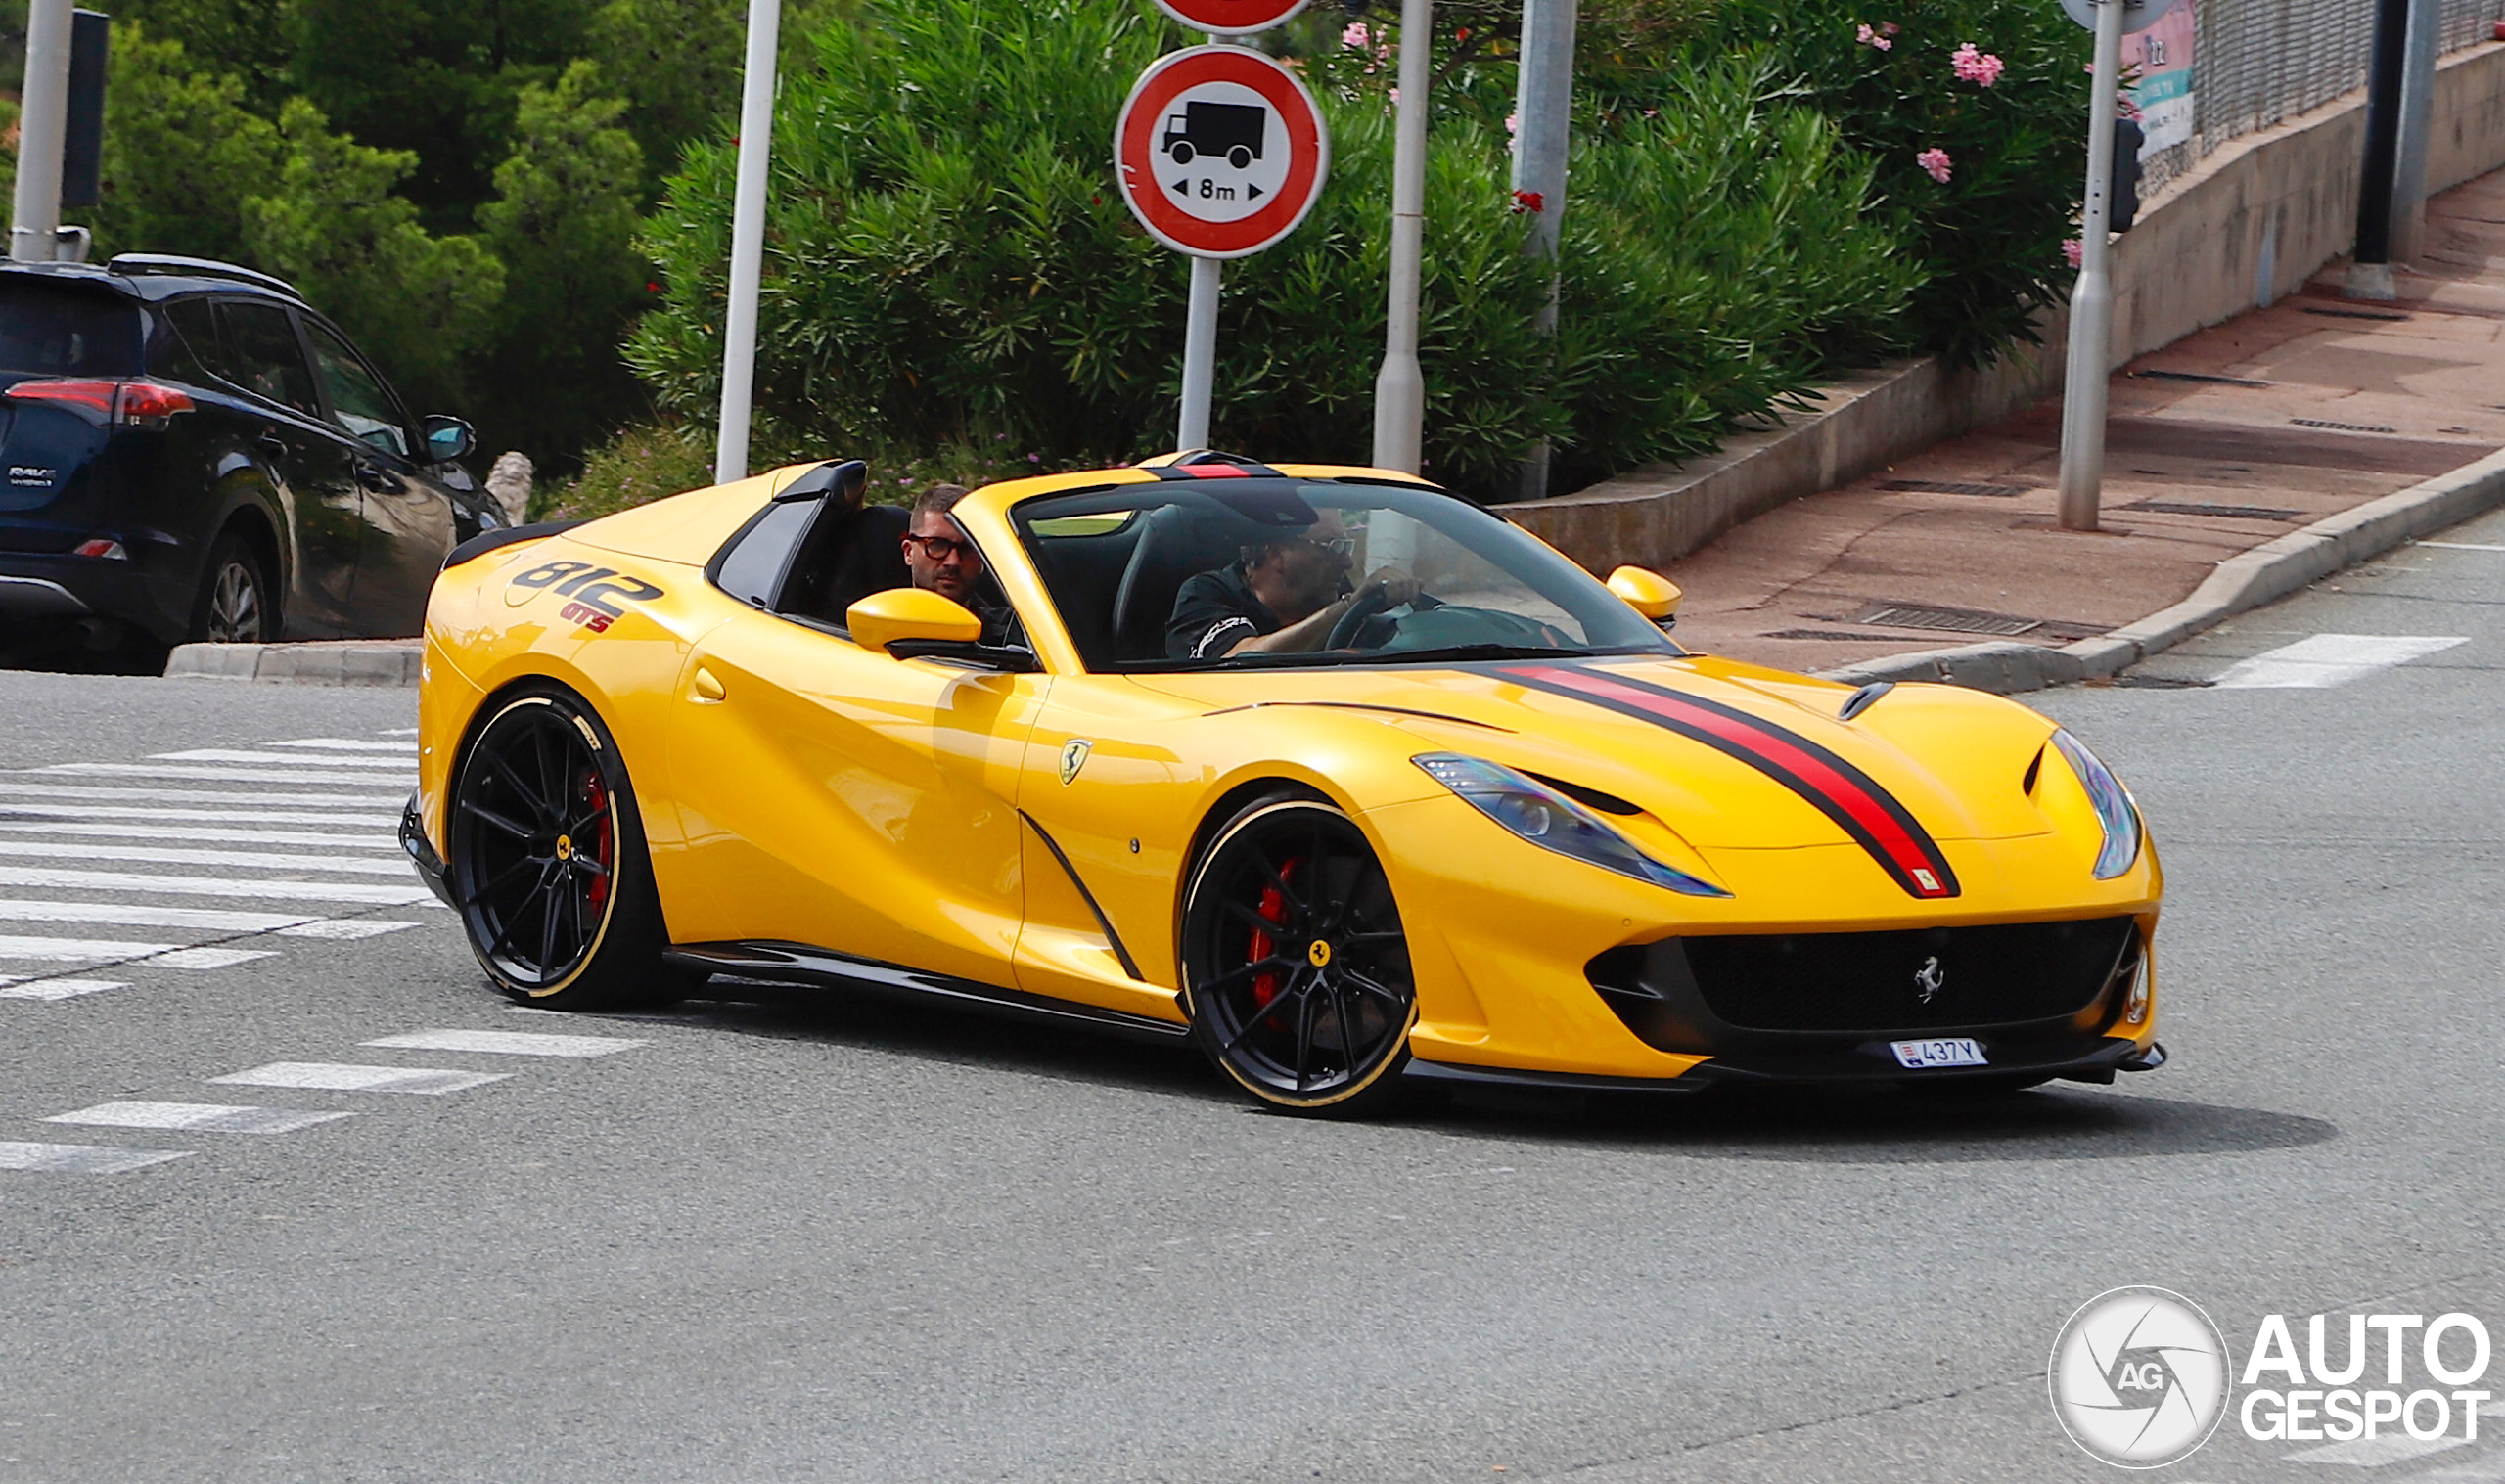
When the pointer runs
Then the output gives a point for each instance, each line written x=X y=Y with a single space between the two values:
x=2161 y=58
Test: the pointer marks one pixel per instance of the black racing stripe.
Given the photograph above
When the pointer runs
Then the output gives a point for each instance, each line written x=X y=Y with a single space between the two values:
x=1818 y=797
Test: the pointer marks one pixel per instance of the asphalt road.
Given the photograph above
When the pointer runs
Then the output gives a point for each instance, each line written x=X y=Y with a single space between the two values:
x=798 y=1236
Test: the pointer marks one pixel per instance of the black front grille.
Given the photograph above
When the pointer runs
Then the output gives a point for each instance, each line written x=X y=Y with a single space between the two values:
x=1935 y=978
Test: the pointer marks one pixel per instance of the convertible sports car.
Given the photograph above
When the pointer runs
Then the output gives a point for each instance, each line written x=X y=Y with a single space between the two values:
x=1504 y=832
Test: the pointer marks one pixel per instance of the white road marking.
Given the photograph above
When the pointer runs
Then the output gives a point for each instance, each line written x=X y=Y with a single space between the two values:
x=2463 y=546
x=2376 y=1451
x=140 y=915
x=54 y=989
x=272 y=889
x=292 y=759
x=508 y=1043
x=347 y=929
x=2330 y=659
x=207 y=957
x=12 y=810
x=350 y=744
x=46 y=850
x=82 y=1158
x=217 y=1118
x=206 y=835
x=15 y=785
x=77 y=950
x=2476 y=1471
x=337 y=1077
x=218 y=775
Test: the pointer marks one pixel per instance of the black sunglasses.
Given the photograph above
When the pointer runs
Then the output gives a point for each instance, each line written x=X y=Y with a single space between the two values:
x=941 y=548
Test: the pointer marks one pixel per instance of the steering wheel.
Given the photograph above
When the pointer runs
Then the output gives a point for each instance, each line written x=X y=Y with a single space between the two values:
x=1372 y=601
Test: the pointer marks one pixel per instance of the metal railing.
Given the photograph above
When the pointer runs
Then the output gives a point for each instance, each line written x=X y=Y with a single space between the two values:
x=2258 y=62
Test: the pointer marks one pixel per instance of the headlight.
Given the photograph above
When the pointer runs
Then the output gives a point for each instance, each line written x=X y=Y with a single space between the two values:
x=2114 y=807
x=1550 y=820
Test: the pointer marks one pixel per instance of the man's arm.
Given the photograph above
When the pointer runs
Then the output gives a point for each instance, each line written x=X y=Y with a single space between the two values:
x=1310 y=633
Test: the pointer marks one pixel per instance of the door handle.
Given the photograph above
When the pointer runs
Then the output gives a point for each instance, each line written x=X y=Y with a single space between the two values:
x=709 y=690
x=272 y=445
x=373 y=478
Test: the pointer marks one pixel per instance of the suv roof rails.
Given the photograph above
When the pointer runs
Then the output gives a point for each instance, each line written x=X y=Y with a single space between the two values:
x=132 y=264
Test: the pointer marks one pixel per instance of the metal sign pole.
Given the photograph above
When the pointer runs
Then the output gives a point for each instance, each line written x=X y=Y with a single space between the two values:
x=1199 y=354
x=2092 y=301
x=1400 y=388
x=747 y=239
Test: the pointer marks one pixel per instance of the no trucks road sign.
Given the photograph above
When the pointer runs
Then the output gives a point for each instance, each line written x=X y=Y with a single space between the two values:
x=1230 y=18
x=1221 y=151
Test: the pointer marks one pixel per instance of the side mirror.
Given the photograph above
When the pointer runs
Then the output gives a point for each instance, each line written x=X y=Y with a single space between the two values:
x=447 y=438
x=883 y=621
x=1647 y=592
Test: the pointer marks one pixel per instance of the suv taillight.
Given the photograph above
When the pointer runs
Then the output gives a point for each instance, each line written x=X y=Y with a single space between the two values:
x=144 y=404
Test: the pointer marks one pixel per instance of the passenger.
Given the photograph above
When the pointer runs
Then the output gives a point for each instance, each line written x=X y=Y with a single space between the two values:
x=943 y=560
x=1279 y=598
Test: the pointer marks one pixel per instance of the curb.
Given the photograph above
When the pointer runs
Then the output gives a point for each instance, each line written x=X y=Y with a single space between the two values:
x=353 y=662
x=2263 y=575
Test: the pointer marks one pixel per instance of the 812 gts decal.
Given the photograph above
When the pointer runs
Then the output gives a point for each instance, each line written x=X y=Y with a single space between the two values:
x=593 y=592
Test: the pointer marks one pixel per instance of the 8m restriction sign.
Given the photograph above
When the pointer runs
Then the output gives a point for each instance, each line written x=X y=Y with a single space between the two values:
x=1221 y=151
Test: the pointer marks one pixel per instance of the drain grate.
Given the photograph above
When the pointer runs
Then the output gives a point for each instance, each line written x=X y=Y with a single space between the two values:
x=2354 y=314
x=1834 y=634
x=2213 y=508
x=2199 y=376
x=2342 y=427
x=1908 y=615
x=1954 y=487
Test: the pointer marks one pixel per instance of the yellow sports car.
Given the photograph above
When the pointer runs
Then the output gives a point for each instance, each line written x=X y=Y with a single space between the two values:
x=1476 y=821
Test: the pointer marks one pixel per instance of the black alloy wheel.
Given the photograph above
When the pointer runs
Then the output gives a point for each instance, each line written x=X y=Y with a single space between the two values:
x=548 y=863
x=1296 y=970
x=234 y=604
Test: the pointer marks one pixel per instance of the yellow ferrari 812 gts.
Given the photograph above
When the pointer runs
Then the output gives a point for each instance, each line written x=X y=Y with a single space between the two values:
x=1479 y=821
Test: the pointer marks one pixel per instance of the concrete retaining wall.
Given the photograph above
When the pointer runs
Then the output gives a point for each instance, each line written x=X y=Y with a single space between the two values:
x=2249 y=224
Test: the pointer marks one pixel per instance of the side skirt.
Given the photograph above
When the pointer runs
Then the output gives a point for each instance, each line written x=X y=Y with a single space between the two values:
x=824 y=966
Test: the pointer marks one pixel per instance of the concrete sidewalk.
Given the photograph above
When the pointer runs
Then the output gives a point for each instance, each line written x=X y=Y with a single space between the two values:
x=2221 y=444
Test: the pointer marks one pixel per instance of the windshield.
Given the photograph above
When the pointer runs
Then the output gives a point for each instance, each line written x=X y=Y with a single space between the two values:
x=1195 y=573
x=65 y=330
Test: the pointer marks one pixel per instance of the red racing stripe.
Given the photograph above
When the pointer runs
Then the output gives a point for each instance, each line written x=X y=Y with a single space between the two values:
x=1840 y=791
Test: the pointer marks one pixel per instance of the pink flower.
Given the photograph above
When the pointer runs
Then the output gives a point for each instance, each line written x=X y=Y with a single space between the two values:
x=1976 y=66
x=1512 y=123
x=2072 y=251
x=1396 y=97
x=1356 y=36
x=1530 y=200
x=1876 y=39
x=1934 y=163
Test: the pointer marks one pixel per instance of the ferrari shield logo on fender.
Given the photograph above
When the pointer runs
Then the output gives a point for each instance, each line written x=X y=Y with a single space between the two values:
x=1074 y=756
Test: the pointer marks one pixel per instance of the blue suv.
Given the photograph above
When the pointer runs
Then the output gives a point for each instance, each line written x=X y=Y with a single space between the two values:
x=193 y=453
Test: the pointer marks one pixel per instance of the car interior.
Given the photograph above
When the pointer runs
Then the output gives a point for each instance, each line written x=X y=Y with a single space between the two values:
x=817 y=550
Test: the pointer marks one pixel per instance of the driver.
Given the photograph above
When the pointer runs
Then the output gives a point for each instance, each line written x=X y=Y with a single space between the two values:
x=943 y=560
x=1279 y=596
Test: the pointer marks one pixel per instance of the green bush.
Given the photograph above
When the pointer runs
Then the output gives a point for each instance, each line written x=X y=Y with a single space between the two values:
x=949 y=264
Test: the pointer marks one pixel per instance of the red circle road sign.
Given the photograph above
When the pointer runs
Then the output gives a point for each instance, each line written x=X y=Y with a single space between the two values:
x=1221 y=151
x=1230 y=18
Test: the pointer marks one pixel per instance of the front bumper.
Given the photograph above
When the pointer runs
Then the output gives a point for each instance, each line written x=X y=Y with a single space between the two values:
x=422 y=852
x=2091 y=1059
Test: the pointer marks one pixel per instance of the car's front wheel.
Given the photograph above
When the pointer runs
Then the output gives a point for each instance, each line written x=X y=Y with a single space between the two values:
x=1296 y=968
x=547 y=860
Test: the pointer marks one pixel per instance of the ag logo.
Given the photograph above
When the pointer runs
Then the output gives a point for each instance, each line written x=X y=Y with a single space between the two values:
x=2139 y=1377
x=1074 y=756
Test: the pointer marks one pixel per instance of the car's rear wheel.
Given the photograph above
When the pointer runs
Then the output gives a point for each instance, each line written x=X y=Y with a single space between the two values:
x=235 y=604
x=1296 y=968
x=548 y=863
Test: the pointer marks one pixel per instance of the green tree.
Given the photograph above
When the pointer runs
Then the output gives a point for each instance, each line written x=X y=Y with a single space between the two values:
x=563 y=224
x=247 y=40
x=678 y=63
x=182 y=155
x=413 y=300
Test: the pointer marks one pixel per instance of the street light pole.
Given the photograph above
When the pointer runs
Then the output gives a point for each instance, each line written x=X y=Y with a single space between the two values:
x=747 y=239
x=2092 y=300
x=43 y=123
x=1401 y=391
x=1543 y=126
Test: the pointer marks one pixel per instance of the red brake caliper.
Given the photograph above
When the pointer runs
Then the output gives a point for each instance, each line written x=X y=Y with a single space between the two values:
x=1274 y=909
x=603 y=846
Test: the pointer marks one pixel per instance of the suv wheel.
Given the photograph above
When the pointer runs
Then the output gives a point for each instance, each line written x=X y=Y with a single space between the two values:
x=235 y=601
